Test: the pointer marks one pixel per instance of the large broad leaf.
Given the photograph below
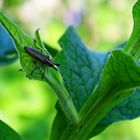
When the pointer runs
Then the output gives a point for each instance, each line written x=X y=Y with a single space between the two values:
x=81 y=76
x=8 y=53
x=82 y=73
x=67 y=55
x=84 y=67
x=7 y=133
x=128 y=109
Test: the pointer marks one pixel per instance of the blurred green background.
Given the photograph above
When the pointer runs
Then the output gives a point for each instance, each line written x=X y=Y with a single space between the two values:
x=28 y=105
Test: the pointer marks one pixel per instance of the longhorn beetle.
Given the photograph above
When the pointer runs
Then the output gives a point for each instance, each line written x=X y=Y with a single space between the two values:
x=41 y=57
x=45 y=60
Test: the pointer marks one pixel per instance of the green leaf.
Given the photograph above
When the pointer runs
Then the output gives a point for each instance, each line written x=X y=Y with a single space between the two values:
x=128 y=109
x=120 y=74
x=21 y=40
x=86 y=67
x=34 y=69
x=8 y=53
x=40 y=43
x=114 y=67
x=7 y=133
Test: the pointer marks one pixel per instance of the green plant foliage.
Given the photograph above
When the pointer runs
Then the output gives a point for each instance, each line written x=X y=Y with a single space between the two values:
x=7 y=133
x=118 y=64
x=93 y=89
x=128 y=109
x=76 y=56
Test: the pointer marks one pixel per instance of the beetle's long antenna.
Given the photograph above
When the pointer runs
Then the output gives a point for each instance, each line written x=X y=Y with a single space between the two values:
x=59 y=65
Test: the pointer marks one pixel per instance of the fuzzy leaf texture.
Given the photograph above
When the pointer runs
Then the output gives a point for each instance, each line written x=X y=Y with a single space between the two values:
x=84 y=67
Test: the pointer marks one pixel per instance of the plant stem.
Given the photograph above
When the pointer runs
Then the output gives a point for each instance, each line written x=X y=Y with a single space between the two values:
x=133 y=45
x=63 y=96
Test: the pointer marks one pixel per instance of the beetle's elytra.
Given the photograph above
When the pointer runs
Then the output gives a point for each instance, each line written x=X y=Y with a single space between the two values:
x=41 y=57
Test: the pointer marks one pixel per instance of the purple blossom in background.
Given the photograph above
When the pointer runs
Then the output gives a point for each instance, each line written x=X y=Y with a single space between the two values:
x=72 y=18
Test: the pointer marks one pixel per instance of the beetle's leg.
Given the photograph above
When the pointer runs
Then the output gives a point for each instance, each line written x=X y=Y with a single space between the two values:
x=65 y=67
